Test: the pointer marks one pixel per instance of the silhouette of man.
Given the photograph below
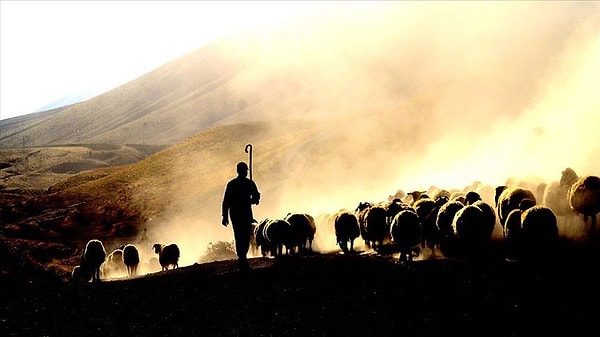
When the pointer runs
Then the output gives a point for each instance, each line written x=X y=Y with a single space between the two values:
x=240 y=194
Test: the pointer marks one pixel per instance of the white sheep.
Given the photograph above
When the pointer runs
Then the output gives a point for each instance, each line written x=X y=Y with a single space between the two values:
x=168 y=255
x=584 y=197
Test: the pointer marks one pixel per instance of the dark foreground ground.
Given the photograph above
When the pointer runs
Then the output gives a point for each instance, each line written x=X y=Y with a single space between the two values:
x=320 y=295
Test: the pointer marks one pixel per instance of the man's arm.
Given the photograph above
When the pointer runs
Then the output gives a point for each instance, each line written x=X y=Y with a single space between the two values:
x=225 y=209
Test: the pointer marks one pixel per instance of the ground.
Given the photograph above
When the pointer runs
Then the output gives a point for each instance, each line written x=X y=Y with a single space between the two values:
x=319 y=295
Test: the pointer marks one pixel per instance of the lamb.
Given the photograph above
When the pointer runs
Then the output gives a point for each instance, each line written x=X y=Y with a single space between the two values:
x=584 y=198
x=92 y=258
x=405 y=231
x=131 y=259
x=508 y=199
x=113 y=264
x=81 y=274
x=168 y=255
x=346 y=230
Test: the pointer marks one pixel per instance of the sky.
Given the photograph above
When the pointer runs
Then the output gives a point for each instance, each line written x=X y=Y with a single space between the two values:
x=56 y=49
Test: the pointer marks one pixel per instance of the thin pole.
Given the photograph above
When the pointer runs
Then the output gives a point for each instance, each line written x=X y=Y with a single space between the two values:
x=249 y=146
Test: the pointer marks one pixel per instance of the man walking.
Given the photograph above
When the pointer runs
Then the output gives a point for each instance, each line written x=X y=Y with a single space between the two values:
x=240 y=194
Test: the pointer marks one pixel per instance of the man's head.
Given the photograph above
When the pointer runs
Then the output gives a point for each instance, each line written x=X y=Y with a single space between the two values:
x=242 y=168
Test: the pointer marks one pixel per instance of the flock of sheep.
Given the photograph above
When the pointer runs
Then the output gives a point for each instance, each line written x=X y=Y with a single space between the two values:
x=457 y=222
x=94 y=260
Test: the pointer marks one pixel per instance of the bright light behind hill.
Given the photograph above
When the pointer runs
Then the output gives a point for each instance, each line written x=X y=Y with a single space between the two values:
x=54 y=49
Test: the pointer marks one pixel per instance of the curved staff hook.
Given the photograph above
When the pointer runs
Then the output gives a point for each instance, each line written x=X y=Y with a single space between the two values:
x=250 y=157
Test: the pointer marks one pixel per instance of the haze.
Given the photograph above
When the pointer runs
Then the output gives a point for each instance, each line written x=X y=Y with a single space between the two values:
x=462 y=92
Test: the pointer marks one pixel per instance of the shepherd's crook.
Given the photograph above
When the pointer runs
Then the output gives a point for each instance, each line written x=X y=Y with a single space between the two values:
x=250 y=158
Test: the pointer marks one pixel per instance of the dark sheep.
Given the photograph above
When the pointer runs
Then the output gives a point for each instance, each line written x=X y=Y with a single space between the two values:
x=131 y=259
x=539 y=233
x=168 y=255
x=513 y=228
x=92 y=258
x=360 y=213
x=406 y=234
x=489 y=215
x=346 y=230
x=276 y=233
x=376 y=230
x=584 y=197
x=427 y=210
x=258 y=240
x=302 y=231
x=471 y=231
x=394 y=207
x=81 y=274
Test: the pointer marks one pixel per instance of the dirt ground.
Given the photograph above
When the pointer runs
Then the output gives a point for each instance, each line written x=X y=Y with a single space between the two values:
x=320 y=295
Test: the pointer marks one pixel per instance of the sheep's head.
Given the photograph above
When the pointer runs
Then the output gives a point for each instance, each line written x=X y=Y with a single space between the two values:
x=157 y=247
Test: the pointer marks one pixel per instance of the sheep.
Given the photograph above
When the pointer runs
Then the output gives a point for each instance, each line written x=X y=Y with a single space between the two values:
x=302 y=231
x=92 y=258
x=277 y=235
x=113 y=265
x=168 y=255
x=471 y=230
x=405 y=231
x=375 y=227
x=539 y=232
x=445 y=216
x=394 y=207
x=131 y=259
x=584 y=198
x=81 y=274
x=258 y=240
x=427 y=210
x=512 y=229
x=360 y=212
x=346 y=230
x=489 y=215
x=508 y=199
x=556 y=196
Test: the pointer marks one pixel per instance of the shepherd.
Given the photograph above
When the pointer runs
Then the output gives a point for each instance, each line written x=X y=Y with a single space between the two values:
x=240 y=194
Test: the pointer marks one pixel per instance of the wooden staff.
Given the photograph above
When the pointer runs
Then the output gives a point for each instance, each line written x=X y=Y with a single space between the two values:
x=249 y=146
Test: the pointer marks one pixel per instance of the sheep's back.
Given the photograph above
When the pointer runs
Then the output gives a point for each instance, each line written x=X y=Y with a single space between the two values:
x=584 y=195
x=405 y=229
x=131 y=255
x=346 y=226
x=94 y=254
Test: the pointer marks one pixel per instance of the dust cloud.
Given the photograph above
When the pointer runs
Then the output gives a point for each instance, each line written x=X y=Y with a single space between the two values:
x=411 y=95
